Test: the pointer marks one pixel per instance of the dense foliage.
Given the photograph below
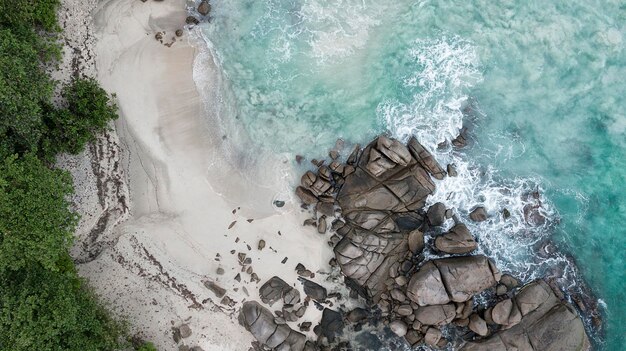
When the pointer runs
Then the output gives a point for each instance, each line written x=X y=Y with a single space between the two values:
x=44 y=304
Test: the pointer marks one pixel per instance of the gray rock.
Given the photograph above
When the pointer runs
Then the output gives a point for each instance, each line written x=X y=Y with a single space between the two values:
x=380 y=184
x=331 y=324
x=425 y=159
x=478 y=214
x=306 y=196
x=365 y=257
x=216 y=289
x=436 y=214
x=452 y=172
x=506 y=313
x=184 y=330
x=260 y=322
x=314 y=290
x=455 y=279
x=509 y=281
x=436 y=314
x=321 y=225
x=458 y=240
x=405 y=310
x=426 y=286
x=432 y=337
x=398 y=327
x=356 y=315
x=325 y=208
x=478 y=325
x=275 y=289
x=547 y=324
x=204 y=8
x=416 y=241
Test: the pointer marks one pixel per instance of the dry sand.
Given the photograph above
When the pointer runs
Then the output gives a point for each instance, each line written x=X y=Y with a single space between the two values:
x=170 y=232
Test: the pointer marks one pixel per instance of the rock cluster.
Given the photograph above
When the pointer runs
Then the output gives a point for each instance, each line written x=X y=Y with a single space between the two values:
x=379 y=196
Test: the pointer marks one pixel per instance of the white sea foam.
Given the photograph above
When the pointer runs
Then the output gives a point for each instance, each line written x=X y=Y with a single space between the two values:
x=448 y=68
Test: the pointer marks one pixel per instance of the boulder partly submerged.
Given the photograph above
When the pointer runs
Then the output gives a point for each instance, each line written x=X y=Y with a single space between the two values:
x=542 y=322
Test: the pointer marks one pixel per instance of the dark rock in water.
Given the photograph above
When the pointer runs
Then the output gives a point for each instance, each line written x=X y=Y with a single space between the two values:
x=314 y=290
x=275 y=289
x=478 y=214
x=260 y=322
x=331 y=324
x=456 y=279
x=452 y=172
x=547 y=323
x=354 y=155
x=457 y=240
x=425 y=159
x=204 y=8
x=279 y=203
x=460 y=141
x=506 y=214
x=356 y=315
x=436 y=214
x=533 y=216
x=191 y=20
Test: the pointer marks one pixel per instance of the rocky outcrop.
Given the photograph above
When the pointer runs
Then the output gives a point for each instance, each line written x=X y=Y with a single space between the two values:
x=374 y=207
x=535 y=319
x=260 y=322
x=458 y=240
x=366 y=257
x=425 y=159
x=276 y=289
x=455 y=279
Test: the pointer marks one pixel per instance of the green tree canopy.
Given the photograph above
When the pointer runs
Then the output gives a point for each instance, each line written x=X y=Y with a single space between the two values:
x=88 y=111
x=52 y=311
x=24 y=88
x=36 y=223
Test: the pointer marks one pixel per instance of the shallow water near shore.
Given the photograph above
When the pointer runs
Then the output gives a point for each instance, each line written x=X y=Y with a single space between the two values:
x=541 y=86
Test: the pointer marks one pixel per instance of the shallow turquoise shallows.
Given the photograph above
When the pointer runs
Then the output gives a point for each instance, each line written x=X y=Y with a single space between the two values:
x=543 y=84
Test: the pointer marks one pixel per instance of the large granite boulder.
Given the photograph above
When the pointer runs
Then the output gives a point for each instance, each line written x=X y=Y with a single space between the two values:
x=436 y=314
x=259 y=321
x=386 y=180
x=454 y=279
x=365 y=257
x=458 y=240
x=275 y=289
x=547 y=324
x=425 y=159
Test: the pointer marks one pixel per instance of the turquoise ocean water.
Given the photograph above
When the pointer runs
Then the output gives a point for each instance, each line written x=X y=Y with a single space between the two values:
x=541 y=84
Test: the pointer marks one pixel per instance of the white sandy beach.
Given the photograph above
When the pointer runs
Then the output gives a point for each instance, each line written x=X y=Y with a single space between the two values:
x=172 y=234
